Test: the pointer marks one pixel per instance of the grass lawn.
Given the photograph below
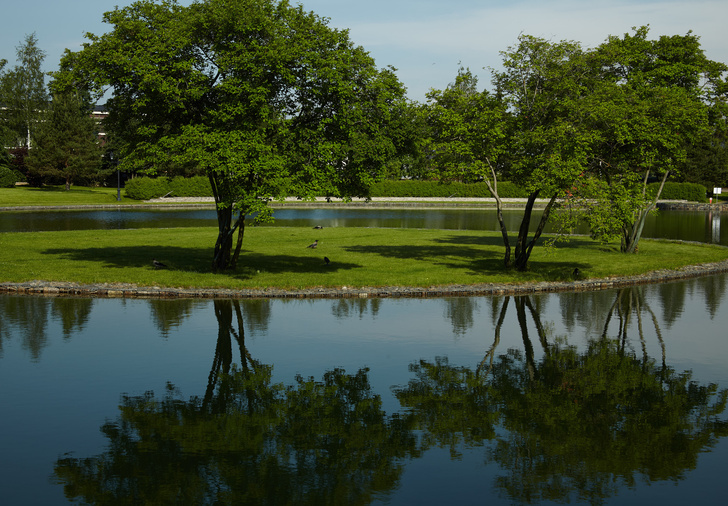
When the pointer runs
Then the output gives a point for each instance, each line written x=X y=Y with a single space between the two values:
x=278 y=257
x=59 y=196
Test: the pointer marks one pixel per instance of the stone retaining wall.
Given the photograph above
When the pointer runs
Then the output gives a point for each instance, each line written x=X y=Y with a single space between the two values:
x=58 y=289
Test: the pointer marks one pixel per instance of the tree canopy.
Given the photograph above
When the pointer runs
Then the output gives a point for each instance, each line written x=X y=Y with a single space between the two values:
x=265 y=97
x=23 y=95
x=649 y=104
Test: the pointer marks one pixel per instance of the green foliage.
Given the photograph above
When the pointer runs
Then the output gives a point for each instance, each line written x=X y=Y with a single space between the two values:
x=145 y=188
x=66 y=145
x=649 y=106
x=415 y=188
x=264 y=97
x=8 y=177
x=692 y=192
x=23 y=95
x=196 y=186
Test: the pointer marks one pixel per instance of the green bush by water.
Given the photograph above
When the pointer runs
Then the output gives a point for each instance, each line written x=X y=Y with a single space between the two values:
x=692 y=192
x=8 y=178
x=145 y=188
x=415 y=188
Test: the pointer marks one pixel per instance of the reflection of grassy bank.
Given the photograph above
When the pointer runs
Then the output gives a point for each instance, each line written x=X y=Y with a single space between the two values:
x=278 y=257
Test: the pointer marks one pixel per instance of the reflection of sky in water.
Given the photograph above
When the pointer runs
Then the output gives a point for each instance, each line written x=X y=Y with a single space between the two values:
x=57 y=402
x=686 y=225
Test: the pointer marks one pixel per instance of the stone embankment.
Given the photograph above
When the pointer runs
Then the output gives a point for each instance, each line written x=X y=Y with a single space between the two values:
x=120 y=290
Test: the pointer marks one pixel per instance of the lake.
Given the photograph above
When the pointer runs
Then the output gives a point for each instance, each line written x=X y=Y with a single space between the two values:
x=610 y=397
x=685 y=225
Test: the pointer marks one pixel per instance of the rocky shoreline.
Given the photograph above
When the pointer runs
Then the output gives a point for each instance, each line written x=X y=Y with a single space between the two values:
x=122 y=290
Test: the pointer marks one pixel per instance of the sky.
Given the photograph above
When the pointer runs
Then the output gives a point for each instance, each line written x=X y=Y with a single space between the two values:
x=425 y=40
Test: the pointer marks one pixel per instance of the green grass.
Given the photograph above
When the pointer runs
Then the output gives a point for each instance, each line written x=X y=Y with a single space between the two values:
x=278 y=257
x=59 y=196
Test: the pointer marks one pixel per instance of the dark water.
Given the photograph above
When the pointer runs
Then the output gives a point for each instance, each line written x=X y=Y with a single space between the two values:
x=685 y=225
x=612 y=397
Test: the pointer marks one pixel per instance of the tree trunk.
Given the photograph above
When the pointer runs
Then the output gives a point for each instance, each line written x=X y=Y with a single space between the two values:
x=224 y=257
x=522 y=241
x=499 y=213
x=631 y=235
x=524 y=246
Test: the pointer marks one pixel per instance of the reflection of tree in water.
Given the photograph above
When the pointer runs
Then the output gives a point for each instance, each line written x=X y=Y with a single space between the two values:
x=72 y=313
x=29 y=317
x=168 y=314
x=714 y=289
x=572 y=426
x=248 y=441
x=343 y=309
x=628 y=304
x=461 y=313
x=534 y=309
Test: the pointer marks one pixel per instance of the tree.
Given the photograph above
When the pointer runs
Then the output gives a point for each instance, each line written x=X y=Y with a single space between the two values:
x=66 y=144
x=542 y=86
x=266 y=98
x=649 y=106
x=23 y=93
x=467 y=131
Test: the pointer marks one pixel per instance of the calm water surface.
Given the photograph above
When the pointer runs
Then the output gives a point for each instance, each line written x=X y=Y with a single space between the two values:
x=685 y=225
x=613 y=397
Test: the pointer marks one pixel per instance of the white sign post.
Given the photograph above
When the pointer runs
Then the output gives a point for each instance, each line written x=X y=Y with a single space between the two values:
x=716 y=191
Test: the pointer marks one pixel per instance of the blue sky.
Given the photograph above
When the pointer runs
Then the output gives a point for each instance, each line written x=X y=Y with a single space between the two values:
x=426 y=40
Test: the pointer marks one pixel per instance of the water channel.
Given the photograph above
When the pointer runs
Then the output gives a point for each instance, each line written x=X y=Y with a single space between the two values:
x=609 y=397
x=685 y=225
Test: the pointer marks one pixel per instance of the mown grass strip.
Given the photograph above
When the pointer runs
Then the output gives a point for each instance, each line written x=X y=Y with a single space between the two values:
x=278 y=257
x=59 y=196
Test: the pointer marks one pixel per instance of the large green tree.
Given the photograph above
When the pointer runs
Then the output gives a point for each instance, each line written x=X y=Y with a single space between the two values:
x=265 y=97
x=467 y=130
x=649 y=105
x=542 y=85
x=23 y=94
x=66 y=145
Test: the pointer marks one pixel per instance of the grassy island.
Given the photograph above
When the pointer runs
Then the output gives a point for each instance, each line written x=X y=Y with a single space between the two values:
x=279 y=257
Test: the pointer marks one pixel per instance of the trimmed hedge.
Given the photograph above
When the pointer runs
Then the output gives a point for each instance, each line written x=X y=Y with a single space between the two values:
x=197 y=186
x=692 y=192
x=415 y=188
x=145 y=188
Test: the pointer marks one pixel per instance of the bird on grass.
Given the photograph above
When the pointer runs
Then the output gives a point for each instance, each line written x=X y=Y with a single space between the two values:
x=327 y=261
x=318 y=227
x=576 y=274
x=313 y=245
x=157 y=264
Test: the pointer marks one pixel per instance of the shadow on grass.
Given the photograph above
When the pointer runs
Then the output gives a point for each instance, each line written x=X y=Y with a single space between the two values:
x=197 y=260
x=62 y=189
x=462 y=252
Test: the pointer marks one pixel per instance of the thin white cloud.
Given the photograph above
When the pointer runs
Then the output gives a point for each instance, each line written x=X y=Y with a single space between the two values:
x=476 y=36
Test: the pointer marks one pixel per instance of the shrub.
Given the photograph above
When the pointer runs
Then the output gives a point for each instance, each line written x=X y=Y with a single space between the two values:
x=145 y=188
x=414 y=188
x=196 y=186
x=692 y=192
x=8 y=177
